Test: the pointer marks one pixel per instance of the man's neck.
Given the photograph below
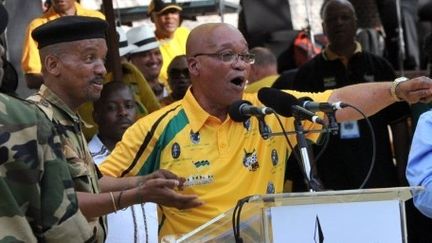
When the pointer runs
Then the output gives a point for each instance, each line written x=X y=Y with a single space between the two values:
x=343 y=50
x=107 y=142
x=162 y=35
x=67 y=12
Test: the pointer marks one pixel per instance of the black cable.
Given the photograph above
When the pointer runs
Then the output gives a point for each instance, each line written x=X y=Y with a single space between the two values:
x=236 y=218
x=373 y=158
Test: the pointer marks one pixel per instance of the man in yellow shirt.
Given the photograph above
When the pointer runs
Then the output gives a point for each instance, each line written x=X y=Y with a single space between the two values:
x=223 y=160
x=30 y=60
x=263 y=71
x=172 y=37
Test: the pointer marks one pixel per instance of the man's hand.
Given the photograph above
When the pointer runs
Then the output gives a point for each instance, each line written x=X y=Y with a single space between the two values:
x=164 y=174
x=415 y=90
x=161 y=190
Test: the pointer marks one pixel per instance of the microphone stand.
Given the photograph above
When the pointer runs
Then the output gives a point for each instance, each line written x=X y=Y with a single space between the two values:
x=309 y=168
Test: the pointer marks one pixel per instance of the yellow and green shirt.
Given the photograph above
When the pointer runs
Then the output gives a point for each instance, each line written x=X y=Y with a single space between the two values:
x=222 y=161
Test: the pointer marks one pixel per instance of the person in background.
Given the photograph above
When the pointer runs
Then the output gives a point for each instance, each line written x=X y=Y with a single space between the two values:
x=171 y=36
x=347 y=159
x=224 y=160
x=146 y=101
x=73 y=71
x=114 y=112
x=38 y=201
x=178 y=79
x=263 y=71
x=147 y=57
x=30 y=60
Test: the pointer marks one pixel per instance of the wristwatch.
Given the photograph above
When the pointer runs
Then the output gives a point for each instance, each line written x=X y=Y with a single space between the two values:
x=395 y=83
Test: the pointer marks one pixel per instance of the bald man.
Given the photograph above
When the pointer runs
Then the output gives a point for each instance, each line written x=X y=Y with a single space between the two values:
x=223 y=160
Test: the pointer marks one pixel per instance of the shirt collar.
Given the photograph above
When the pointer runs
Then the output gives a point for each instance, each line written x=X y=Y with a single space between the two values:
x=54 y=100
x=331 y=56
x=197 y=116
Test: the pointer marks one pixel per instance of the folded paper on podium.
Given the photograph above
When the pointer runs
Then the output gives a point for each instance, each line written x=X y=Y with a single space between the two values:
x=367 y=215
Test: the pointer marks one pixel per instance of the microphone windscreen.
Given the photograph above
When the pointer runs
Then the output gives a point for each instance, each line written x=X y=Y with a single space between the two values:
x=280 y=101
x=235 y=112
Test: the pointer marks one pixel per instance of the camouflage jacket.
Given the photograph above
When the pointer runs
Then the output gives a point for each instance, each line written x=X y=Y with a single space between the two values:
x=37 y=200
x=81 y=166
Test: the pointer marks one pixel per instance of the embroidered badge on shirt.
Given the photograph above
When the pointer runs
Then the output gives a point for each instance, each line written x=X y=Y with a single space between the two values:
x=195 y=137
x=201 y=163
x=329 y=82
x=274 y=157
x=270 y=188
x=250 y=160
x=175 y=150
x=194 y=180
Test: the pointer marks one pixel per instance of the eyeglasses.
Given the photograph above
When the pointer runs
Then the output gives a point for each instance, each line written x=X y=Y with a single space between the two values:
x=229 y=57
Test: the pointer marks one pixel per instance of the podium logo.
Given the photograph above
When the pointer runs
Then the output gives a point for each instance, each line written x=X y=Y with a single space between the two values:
x=318 y=234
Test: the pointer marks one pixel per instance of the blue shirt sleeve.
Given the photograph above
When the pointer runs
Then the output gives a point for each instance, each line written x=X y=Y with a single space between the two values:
x=419 y=169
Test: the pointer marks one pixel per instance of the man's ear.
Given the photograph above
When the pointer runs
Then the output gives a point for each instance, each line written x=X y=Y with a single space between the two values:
x=193 y=66
x=52 y=65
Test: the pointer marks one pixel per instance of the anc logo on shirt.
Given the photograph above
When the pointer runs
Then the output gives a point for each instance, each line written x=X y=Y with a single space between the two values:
x=194 y=137
x=201 y=163
x=175 y=150
x=270 y=188
x=274 y=157
x=250 y=160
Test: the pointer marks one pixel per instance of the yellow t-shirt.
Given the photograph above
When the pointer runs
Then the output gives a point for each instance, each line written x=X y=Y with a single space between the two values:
x=264 y=82
x=30 y=60
x=221 y=161
x=171 y=48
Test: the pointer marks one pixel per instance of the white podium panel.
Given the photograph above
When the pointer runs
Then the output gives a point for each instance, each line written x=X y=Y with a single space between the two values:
x=354 y=222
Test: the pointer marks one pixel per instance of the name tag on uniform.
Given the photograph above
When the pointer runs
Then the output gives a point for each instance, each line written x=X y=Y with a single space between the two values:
x=349 y=130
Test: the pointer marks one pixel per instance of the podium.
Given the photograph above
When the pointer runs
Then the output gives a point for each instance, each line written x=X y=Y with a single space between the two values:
x=367 y=215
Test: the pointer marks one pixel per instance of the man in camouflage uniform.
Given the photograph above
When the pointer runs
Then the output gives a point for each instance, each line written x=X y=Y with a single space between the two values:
x=73 y=50
x=38 y=202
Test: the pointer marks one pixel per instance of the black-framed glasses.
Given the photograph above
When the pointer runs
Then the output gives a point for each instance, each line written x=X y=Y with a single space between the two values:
x=229 y=57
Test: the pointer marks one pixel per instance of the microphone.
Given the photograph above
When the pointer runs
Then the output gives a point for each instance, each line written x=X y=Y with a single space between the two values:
x=309 y=104
x=241 y=110
x=309 y=115
x=279 y=101
x=285 y=104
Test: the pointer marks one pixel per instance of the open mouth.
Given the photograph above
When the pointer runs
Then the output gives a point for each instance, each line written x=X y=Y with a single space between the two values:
x=238 y=81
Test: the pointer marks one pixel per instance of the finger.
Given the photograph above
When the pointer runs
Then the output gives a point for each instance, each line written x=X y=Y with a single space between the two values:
x=162 y=182
x=168 y=174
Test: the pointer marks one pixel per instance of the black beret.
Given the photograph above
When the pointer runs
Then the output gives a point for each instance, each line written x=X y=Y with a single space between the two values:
x=3 y=18
x=69 y=28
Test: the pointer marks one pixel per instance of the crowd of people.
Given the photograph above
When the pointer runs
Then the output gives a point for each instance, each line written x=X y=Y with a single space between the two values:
x=164 y=156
